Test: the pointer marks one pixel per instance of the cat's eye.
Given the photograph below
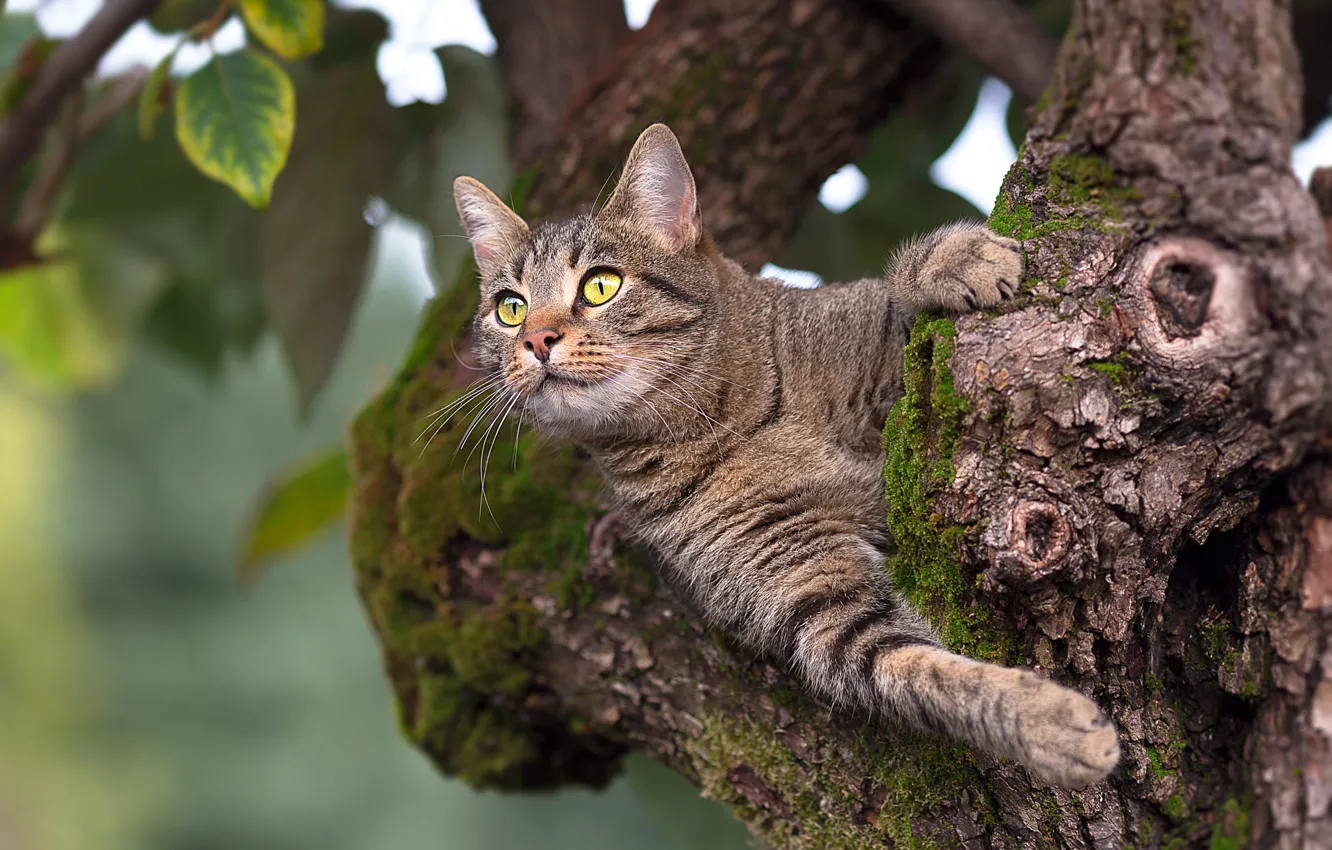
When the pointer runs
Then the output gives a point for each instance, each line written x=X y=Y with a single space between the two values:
x=511 y=309
x=601 y=287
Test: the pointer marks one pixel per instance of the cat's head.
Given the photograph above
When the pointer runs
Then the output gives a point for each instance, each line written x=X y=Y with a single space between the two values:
x=586 y=320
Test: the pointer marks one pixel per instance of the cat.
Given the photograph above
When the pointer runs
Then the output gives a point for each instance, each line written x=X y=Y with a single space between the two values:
x=737 y=425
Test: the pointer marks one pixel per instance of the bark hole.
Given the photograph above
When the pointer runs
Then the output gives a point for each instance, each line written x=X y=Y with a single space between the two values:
x=1040 y=533
x=1182 y=291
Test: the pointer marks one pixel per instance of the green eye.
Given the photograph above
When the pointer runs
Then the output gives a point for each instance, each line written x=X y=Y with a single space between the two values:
x=511 y=310
x=601 y=287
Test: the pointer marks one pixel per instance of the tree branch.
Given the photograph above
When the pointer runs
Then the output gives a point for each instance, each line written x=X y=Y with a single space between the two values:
x=547 y=51
x=998 y=34
x=1114 y=441
x=21 y=133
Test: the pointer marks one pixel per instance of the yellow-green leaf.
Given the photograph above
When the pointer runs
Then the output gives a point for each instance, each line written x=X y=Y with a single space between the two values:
x=290 y=28
x=150 y=99
x=294 y=507
x=235 y=118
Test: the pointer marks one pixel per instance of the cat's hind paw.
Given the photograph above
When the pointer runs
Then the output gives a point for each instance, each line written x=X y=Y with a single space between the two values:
x=1067 y=739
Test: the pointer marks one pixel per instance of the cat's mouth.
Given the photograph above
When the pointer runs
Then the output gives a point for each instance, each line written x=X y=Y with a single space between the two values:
x=552 y=377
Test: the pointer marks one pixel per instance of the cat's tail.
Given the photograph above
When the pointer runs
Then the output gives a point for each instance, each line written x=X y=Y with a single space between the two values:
x=871 y=648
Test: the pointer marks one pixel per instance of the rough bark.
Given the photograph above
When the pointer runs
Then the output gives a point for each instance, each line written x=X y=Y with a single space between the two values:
x=1110 y=482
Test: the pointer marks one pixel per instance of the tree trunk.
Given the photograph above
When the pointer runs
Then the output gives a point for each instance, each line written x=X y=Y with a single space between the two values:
x=1120 y=481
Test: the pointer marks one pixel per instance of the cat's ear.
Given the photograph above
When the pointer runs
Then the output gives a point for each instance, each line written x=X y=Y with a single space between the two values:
x=657 y=191
x=494 y=230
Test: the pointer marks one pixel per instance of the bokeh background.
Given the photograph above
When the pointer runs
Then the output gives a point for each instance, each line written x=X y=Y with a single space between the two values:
x=149 y=699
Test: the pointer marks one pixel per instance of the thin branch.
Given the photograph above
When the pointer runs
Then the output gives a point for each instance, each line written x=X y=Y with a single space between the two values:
x=35 y=208
x=998 y=34
x=72 y=62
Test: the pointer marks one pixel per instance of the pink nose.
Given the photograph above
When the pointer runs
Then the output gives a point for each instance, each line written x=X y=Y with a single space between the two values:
x=540 y=342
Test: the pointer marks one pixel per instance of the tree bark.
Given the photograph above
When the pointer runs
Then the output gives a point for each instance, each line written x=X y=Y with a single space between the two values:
x=1132 y=495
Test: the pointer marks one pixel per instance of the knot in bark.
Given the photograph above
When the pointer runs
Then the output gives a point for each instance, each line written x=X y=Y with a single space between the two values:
x=1036 y=543
x=1192 y=301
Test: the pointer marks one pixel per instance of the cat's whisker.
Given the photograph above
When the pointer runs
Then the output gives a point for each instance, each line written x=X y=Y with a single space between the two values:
x=498 y=426
x=453 y=406
x=491 y=404
x=642 y=396
x=441 y=417
x=689 y=368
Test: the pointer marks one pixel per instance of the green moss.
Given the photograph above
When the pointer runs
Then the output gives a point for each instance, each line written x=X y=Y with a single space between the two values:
x=1216 y=636
x=1153 y=682
x=1180 y=33
x=1231 y=828
x=1174 y=807
x=917 y=772
x=1114 y=370
x=920 y=438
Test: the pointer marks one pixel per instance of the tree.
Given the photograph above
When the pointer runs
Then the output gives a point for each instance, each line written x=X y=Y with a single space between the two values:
x=1123 y=481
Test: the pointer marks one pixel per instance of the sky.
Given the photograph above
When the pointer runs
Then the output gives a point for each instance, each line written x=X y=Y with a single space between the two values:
x=973 y=167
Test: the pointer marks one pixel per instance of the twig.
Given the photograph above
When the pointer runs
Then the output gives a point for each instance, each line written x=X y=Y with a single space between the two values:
x=37 y=202
x=21 y=133
x=120 y=93
x=998 y=34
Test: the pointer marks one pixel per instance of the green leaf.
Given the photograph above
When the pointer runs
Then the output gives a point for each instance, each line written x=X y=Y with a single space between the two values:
x=172 y=16
x=290 y=28
x=315 y=241
x=150 y=99
x=66 y=323
x=15 y=31
x=235 y=118
x=293 y=508
x=145 y=196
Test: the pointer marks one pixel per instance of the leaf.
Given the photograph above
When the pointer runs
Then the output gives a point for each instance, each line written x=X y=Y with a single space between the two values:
x=66 y=323
x=23 y=52
x=315 y=241
x=150 y=99
x=290 y=28
x=235 y=118
x=15 y=31
x=145 y=196
x=172 y=16
x=295 y=507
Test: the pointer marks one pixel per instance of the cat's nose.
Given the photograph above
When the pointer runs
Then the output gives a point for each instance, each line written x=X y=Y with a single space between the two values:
x=540 y=342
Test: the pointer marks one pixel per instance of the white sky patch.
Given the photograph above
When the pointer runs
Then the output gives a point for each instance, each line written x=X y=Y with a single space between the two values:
x=843 y=189
x=1313 y=152
x=975 y=165
x=798 y=278
x=637 y=12
x=410 y=73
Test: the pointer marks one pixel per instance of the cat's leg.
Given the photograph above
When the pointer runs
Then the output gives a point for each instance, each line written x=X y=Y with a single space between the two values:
x=956 y=268
x=854 y=639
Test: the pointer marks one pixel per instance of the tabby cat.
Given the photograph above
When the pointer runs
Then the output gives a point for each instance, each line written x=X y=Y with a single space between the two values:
x=737 y=424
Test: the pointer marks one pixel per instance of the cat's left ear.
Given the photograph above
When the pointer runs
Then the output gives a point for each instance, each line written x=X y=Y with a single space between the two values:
x=494 y=230
x=657 y=191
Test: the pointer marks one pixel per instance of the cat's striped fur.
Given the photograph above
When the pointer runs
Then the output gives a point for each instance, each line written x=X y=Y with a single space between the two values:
x=737 y=425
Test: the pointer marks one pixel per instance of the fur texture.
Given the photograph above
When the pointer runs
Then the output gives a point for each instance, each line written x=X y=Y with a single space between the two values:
x=737 y=424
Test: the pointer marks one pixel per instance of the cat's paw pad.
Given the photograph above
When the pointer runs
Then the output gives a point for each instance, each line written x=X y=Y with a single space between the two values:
x=974 y=268
x=1067 y=738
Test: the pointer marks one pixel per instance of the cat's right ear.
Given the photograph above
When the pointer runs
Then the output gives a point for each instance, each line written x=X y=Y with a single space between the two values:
x=494 y=230
x=656 y=191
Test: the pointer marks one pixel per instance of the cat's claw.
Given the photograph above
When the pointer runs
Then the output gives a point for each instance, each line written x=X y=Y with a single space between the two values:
x=974 y=268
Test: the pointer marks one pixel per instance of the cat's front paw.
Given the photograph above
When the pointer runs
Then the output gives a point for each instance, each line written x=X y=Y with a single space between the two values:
x=973 y=268
x=1068 y=740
